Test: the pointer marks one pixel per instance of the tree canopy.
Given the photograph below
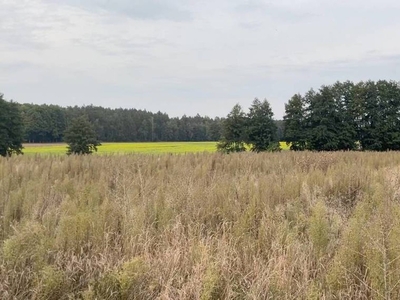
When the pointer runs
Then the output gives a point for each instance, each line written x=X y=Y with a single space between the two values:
x=294 y=129
x=256 y=129
x=233 y=131
x=345 y=116
x=11 y=128
x=262 y=130
x=81 y=137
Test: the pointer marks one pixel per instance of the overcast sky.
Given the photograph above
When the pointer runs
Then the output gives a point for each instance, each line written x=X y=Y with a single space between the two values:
x=189 y=57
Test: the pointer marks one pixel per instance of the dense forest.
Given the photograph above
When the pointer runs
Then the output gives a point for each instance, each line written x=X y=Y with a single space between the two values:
x=47 y=123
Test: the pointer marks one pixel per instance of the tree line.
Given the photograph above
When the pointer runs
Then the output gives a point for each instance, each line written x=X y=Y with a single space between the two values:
x=342 y=116
x=32 y=123
x=47 y=124
x=345 y=116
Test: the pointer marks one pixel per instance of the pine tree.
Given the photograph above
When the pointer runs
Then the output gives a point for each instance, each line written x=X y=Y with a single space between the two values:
x=343 y=94
x=389 y=108
x=81 y=137
x=369 y=116
x=11 y=128
x=327 y=127
x=233 y=131
x=295 y=133
x=262 y=130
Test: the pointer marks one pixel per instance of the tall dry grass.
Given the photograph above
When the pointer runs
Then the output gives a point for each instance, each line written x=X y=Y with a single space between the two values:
x=201 y=226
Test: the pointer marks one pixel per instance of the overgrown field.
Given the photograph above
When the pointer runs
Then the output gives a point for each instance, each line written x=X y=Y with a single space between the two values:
x=201 y=226
x=154 y=148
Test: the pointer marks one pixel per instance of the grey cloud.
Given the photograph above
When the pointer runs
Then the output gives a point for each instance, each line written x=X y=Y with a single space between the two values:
x=371 y=60
x=273 y=11
x=114 y=46
x=21 y=40
x=22 y=25
x=391 y=63
x=137 y=9
x=16 y=65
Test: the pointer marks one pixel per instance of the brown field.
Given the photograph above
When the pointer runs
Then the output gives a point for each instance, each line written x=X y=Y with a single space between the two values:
x=201 y=226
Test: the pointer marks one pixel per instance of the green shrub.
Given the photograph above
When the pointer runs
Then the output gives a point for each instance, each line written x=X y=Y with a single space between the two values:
x=53 y=284
x=319 y=228
x=212 y=287
x=29 y=247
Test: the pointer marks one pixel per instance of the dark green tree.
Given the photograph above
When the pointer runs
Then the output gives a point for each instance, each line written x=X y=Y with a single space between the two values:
x=378 y=115
x=214 y=129
x=280 y=133
x=295 y=132
x=81 y=137
x=368 y=118
x=327 y=127
x=233 y=131
x=261 y=129
x=389 y=102
x=11 y=128
x=344 y=95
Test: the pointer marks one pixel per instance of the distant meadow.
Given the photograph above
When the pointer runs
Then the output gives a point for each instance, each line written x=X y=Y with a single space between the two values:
x=154 y=148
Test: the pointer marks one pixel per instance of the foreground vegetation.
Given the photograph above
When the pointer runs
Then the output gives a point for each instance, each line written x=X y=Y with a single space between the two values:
x=201 y=226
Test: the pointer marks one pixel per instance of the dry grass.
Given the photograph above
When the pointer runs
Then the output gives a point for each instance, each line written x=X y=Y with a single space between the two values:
x=201 y=226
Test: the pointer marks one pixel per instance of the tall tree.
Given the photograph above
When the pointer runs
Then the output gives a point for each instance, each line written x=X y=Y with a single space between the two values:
x=389 y=103
x=344 y=95
x=233 y=131
x=11 y=128
x=295 y=133
x=368 y=116
x=262 y=129
x=81 y=137
x=328 y=128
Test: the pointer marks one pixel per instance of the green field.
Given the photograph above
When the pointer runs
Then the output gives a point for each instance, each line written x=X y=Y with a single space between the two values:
x=153 y=148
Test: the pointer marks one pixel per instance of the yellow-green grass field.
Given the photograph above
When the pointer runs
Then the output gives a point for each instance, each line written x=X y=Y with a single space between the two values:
x=151 y=148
